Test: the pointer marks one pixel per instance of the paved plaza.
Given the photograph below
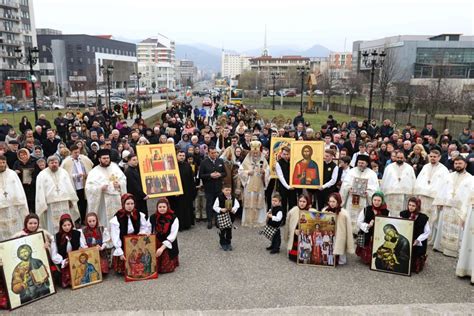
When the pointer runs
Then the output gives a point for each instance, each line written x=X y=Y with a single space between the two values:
x=250 y=280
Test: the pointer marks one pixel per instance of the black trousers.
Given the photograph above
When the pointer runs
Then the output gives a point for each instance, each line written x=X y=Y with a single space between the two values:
x=276 y=240
x=322 y=197
x=225 y=236
x=82 y=204
x=210 y=199
x=288 y=198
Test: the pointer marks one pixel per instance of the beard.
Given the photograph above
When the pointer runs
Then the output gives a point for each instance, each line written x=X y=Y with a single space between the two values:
x=104 y=164
x=459 y=170
x=54 y=169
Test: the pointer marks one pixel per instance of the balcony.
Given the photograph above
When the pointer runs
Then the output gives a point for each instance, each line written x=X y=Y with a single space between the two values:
x=9 y=29
x=9 y=4
x=5 y=54
x=10 y=42
x=10 y=17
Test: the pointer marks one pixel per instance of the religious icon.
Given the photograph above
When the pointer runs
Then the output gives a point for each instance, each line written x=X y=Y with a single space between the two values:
x=26 y=269
x=359 y=187
x=277 y=143
x=316 y=238
x=140 y=258
x=159 y=170
x=391 y=248
x=84 y=265
x=306 y=164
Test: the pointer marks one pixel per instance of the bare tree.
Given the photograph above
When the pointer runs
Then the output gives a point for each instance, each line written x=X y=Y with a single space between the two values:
x=387 y=75
x=327 y=84
x=405 y=96
x=353 y=86
x=250 y=80
x=467 y=100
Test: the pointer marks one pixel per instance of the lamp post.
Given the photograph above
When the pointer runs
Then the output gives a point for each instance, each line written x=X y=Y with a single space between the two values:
x=138 y=76
x=30 y=59
x=108 y=71
x=302 y=70
x=274 y=76
x=372 y=60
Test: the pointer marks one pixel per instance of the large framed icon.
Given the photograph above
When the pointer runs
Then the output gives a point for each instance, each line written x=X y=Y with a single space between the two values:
x=306 y=164
x=26 y=269
x=159 y=170
x=317 y=235
x=392 y=245
x=276 y=145
x=84 y=265
x=140 y=257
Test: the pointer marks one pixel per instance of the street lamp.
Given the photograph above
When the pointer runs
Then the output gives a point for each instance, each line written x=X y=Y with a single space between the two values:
x=108 y=71
x=302 y=70
x=30 y=59
x=274 y=76
x=138 y=76
x=372 y=60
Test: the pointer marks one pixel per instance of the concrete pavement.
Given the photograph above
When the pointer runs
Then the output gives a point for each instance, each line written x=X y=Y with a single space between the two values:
x=249 y=279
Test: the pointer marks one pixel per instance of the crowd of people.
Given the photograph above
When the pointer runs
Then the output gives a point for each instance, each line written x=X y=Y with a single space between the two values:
x=78 y=181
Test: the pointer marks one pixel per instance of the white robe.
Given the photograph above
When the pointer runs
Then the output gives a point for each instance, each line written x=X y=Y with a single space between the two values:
x=397 y=185
x=465 y=264
x=428 y=183
x=55 y=196
x=254 y=206
x=13 y=205
x=372 y=187
x=454 y=197
x=105 y=203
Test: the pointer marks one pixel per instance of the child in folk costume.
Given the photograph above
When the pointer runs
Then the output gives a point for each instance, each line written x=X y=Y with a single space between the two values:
x=127 y=221
x=421 y=232
x=225 y=205
x=274 y=219
x=365 y=222
x=344 y=242
x=165 y=225
x=66 y=240
x=291 y=231
x=97 y=236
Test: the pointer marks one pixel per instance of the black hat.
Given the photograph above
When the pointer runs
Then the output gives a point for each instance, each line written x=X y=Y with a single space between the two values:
x=363 y=157
x=103 y=152
x=14 y=142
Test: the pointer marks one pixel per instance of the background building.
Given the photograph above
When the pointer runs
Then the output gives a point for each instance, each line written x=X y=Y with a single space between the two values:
x=420 y=58
x=233 y=64
x=186 y=72
x=340 y=65
x=156 y=60
x=17 y=29
x=69 y=57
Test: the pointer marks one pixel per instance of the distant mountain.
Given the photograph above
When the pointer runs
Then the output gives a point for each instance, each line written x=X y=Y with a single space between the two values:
x=282 y=50
x=204 y=57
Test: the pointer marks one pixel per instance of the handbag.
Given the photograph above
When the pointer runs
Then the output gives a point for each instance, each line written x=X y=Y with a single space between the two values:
x=224 y=221
x=268 y=231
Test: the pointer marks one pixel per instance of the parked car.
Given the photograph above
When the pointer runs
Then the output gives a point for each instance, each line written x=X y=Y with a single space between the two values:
x=115 y=100
x=290 y=94
x=56 y=106
x=6 y=107
x=318 y=92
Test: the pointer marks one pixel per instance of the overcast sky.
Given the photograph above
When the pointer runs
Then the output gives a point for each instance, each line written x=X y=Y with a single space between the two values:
x=239 y=24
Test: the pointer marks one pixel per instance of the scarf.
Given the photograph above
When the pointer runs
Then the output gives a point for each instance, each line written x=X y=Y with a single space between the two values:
x=122 y=212
x=92 y=232
x=338 y=198
x=417 y=202
x=163 y=221
x=65 y=236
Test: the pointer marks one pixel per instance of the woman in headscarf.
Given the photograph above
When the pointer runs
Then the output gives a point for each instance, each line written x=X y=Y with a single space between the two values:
x=365 y=222
x=421 y=232
x=37 y=152
x=58 y=153
x=127 y=221
x=97 y=236
x=24 y=167
x=291 y=231
x=165 y=225
x=31 y=226
x=344 y=242
x=67 y=239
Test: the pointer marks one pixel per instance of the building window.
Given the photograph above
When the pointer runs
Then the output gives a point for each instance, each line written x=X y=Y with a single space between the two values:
x=71 y=60
x=93 y=49
x=44 y=48
x=88 y=48
x=79 y=48
x=88 y=61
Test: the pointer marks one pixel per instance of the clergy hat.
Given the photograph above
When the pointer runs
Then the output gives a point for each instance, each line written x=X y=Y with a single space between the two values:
x=255 y=145
x=363 y=157
x=103 y=152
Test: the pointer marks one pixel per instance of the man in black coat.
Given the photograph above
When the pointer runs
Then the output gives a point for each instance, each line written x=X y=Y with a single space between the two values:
x=50 y=144
x=134 y=184
x=182 y=204
x=211 y=172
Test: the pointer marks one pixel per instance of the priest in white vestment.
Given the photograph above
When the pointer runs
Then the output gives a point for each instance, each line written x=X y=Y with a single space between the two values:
x=398 y=182
x=453 y=198
x=255 y=176
x=13 y=204
x=104 y=186
x=429 y=182
x=55 y=195
x=354 y=203
x=465 y=264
